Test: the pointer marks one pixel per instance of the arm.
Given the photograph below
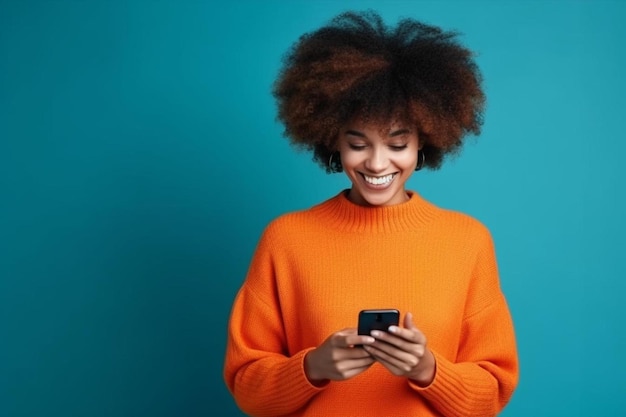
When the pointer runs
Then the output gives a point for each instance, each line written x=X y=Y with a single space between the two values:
x=482 y=377
x=265 y=378
x=262 y=378
x=480 y=380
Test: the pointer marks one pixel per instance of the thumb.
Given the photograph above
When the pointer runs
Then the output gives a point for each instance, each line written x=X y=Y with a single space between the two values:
x=408 y=321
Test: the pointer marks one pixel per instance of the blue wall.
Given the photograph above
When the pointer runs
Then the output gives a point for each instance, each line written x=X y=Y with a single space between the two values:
x=140 y=160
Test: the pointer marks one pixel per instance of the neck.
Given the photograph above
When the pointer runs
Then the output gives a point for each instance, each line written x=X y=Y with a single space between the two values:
x=341 y=213
x=356 y=198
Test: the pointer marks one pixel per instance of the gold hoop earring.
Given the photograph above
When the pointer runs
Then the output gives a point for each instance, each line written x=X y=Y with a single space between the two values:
x=334 y=166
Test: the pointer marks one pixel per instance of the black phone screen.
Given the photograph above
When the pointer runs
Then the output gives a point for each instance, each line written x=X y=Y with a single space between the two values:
x=377 y=320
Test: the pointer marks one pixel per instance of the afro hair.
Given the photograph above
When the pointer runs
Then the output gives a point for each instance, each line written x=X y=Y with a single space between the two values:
x=356 y=66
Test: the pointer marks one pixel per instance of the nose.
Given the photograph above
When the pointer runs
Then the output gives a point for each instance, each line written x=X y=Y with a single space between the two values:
x=377 y=160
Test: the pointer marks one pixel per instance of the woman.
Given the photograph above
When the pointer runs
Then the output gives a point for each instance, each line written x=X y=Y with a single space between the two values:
x=377 y=103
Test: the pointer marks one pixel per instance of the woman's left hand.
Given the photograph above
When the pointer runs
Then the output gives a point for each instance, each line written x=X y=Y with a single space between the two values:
x=403 y=352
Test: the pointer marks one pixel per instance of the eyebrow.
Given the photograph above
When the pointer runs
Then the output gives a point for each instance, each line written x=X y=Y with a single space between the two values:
x=355 y=133
x=392 y=134
x=399 y=132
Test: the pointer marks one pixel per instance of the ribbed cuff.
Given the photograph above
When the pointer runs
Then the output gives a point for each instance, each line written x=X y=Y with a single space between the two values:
x=461 y=389
x=296 y=389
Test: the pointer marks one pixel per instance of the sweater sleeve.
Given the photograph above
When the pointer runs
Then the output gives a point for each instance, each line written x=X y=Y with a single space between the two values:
x=482 y=377
x=262 y=377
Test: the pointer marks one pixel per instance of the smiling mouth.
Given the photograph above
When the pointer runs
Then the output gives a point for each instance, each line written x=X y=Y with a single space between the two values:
x=382 y=180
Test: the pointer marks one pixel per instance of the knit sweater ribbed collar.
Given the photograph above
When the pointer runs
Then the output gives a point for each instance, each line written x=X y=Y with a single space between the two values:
x=341 y=213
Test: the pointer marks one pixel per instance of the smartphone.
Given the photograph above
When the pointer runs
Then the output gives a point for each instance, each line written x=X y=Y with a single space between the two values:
x=377 y=320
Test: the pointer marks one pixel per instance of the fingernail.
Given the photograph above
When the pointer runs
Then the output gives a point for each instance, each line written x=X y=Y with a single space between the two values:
x=369 y=340
x=394 y=329
x=376 y=333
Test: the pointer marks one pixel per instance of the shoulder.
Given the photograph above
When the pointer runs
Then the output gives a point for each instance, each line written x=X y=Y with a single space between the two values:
x=462 y=235
x=289 y=221
x=313 y=216
x=295 y=225
x=462 y=225
x=457 y=218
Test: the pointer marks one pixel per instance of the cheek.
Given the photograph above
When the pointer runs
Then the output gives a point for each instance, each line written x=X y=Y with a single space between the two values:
x=351 y=159
x=407 y=161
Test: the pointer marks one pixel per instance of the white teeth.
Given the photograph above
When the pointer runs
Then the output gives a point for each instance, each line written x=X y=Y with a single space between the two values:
x=379 y=180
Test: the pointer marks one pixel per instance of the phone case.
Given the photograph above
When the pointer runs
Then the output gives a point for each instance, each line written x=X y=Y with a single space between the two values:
x=377 y=320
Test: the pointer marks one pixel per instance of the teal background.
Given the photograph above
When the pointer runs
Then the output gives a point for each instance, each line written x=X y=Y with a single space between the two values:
x=140 y=160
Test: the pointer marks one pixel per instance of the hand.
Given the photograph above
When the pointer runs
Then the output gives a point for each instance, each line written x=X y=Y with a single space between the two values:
x=403 y=352
x=337 y=358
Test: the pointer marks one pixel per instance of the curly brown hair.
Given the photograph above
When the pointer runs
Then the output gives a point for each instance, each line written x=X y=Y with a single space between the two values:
x=356 y=66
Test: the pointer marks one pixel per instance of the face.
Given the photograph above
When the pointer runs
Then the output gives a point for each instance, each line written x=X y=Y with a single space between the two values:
x=378 y=160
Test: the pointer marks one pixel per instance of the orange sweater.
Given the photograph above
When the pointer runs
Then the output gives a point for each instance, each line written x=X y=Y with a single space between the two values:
x=312 y=273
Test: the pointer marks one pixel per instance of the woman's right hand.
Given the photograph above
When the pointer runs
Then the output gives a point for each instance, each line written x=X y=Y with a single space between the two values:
x=338 y=358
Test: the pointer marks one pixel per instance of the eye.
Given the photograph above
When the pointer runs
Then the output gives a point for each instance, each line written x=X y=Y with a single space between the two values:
x=398 y=147
x=356 y=147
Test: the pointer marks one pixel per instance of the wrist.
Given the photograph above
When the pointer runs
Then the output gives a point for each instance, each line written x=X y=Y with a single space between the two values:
x=426 y=375
x=310 y=370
